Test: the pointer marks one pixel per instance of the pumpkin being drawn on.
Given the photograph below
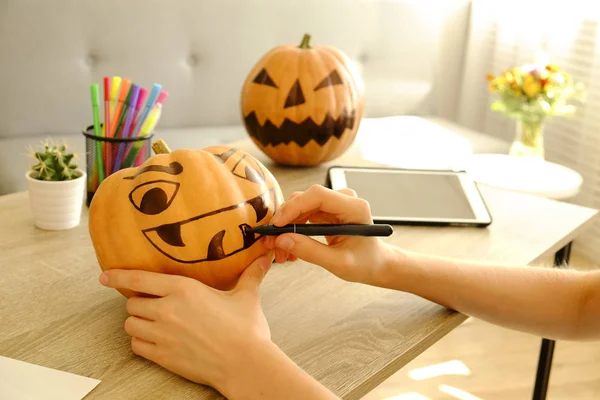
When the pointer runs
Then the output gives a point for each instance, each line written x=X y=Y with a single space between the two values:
x=303 y=105
x=188 y=212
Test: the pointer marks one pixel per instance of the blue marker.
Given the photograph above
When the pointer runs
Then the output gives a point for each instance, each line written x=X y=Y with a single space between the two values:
x=151 y=99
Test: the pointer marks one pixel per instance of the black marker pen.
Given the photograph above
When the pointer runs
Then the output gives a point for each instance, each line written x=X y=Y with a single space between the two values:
x=326 y=229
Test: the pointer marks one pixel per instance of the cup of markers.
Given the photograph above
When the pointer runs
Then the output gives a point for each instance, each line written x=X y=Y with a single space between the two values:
x=123 y=138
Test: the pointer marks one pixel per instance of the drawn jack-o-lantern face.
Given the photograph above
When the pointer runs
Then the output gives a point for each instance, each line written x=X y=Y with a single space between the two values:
x=303 y=105
x=187 y=213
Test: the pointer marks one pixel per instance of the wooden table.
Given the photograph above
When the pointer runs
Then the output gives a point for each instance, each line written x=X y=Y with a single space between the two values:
x=351 y=337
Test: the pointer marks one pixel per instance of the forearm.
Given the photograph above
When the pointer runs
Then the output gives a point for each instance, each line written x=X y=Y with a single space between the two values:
x=265 y=372
x=547 y=302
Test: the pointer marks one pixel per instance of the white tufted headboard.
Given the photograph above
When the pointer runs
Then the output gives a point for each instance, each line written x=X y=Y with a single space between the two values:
x=201 y=51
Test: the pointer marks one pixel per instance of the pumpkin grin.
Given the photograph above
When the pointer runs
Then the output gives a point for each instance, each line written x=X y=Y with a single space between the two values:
x=300 y=133
x=187 y=212
x=169 y=238
x=302 y=105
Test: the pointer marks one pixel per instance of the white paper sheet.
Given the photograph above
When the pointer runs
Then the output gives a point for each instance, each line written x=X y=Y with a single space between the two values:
x=24 y=381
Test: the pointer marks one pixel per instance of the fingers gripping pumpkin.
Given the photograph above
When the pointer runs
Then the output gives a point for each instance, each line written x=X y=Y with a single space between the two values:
x=303 y=105
x=188 y=212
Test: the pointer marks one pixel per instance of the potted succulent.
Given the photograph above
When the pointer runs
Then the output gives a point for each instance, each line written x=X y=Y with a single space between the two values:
x=56 y=187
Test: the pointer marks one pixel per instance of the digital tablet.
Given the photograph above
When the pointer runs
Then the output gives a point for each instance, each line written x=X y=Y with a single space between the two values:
x=417 y=197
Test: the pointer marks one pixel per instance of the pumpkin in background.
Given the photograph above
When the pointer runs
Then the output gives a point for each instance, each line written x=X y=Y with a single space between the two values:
x=303 y=105
x=187 y=212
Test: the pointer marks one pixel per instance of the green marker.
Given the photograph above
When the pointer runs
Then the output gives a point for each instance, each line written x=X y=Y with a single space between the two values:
x=98 y=131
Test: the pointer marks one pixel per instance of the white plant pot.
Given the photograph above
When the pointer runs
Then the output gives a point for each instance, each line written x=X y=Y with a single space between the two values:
x=56 y=205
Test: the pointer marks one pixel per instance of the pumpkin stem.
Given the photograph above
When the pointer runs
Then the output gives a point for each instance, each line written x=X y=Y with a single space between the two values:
x=160 y=147
x=304 y=44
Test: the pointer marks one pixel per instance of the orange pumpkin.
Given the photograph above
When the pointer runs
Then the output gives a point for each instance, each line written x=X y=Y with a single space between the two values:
x=303 y=105
x=186 y=213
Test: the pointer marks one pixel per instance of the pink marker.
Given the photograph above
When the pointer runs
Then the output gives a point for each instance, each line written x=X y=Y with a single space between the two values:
x=140 y=103
x=161 y=98
x=155 y=113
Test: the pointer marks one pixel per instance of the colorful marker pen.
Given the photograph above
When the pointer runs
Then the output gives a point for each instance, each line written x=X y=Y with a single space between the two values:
x=117 y=114
x=140 y=103
x=154 y=115
x=106 y=105
x=114 y=92
x=151 y=99
x=126 y=127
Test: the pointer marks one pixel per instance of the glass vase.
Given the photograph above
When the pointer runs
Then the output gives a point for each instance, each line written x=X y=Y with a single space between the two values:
x=529 y=139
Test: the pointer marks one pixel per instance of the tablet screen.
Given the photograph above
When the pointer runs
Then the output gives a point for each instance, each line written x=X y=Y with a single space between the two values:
x=411 y=195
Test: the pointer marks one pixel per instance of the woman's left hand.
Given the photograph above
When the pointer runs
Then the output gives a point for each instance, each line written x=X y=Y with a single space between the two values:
x=191 y=329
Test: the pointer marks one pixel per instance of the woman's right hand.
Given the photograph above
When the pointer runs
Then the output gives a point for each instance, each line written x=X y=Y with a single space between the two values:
x=352 y=258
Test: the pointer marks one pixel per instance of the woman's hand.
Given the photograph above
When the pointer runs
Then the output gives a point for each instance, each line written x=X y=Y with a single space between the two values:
x=352 y=258
x=193 y=330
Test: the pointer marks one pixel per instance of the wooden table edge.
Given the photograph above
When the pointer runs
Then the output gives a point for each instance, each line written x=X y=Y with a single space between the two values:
x=452 y=322
x=571 y=236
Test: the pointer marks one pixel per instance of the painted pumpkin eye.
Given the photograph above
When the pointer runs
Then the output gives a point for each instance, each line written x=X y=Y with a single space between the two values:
x=153 y=197
x=263 y=78
x=332 y=79
x=223 y=157
x=247 y=168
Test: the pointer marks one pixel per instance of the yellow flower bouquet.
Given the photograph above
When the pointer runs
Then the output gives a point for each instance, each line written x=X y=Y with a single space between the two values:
x=529 y=93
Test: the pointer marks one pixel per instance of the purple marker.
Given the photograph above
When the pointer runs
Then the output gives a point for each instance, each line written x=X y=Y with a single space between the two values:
x=132 y=105
x=135 y=91
x=156 y=88
x=140 y=103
